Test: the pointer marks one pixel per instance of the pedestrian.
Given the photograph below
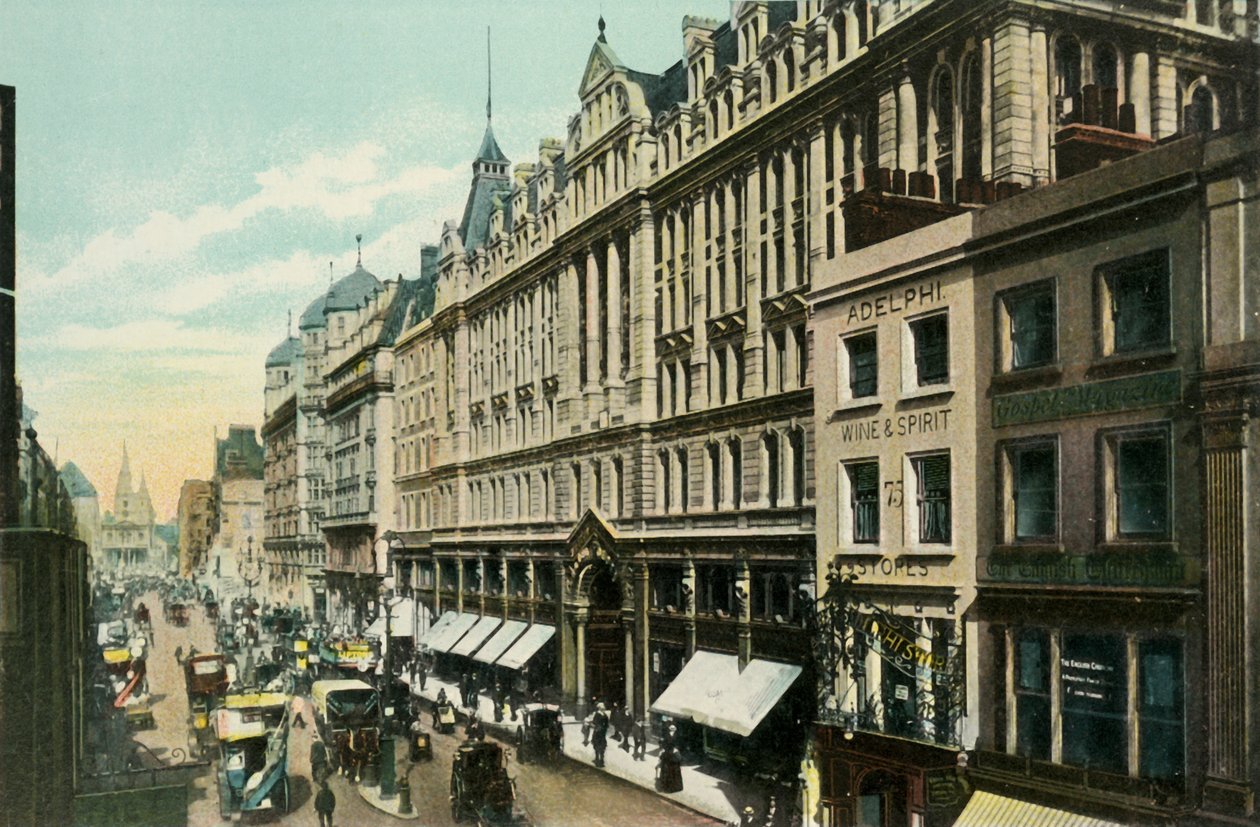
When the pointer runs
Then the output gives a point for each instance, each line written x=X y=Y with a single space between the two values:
x=298 y=723
x=638 y=734
x=599 y=733
x=179 y=655
x=465 y=689
x=319 y=761
x=615 y=720
x=422 y=675
x=747 y=817
x=500 y=698
x=325 y=803
x=669 y=770
x=473 y=731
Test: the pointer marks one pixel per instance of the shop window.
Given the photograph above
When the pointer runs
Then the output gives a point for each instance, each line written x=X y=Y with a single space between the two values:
x=1032 y=491
x=715 y=589
x=1032 y=695
x=1027 y=339
x=1136 y=305
x=863 y=365
x=1093 y=678
x=932 y=478
x=518 y=578
x=1137 y=476
x=667 y=588
x=863 y=478
x=931 y=349
x=900 y=701
x=1162 y=733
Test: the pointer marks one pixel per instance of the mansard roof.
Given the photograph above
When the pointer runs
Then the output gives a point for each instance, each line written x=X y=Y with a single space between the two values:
x=284 y=353
x=351 y=291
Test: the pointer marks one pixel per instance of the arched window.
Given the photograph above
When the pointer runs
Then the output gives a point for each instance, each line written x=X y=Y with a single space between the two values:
x=772 y=80
x=1067 y=72
x=863 y=17
x=713 y=455
x=770 y=468
x=789 y=65
x=729 y=100
x=796 y=444
x=1201 y=116
x=576 y=472
x=735 y=457
x=618 y=487
x=683 y=479
x=714 y=121
x=943 y=117
x=837 y=24
x=1106 y=66
x=662 y=477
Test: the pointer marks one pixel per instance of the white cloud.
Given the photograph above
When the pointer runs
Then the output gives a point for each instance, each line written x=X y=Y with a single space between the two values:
x=146 y=335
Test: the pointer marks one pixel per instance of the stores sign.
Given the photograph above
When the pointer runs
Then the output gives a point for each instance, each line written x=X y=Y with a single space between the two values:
x=1091 y=398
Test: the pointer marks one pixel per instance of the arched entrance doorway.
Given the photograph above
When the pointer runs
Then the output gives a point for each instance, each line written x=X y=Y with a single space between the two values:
x=882 y=800
x=605 y=654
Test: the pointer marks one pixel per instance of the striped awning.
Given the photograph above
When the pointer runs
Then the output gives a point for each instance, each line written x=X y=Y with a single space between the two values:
x=449 y=636
x=526 y=646
x=993 y=810
x=476 y=636
x=436 y=629
x=497 y=645
x=713 y=691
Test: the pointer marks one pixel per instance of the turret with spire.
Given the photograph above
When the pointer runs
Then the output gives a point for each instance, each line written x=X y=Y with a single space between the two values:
x=122 y=491
x=490 y=175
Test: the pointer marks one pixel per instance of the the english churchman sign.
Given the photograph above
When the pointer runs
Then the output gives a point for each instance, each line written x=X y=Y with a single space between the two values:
x=1124 y=394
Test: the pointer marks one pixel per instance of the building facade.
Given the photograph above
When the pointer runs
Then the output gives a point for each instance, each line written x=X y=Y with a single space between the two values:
x=197 y=522
x=235 y=565
x=129 y=542
x=87 y=510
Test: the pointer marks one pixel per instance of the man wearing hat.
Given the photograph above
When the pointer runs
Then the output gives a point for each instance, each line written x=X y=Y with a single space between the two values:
x=599 y=733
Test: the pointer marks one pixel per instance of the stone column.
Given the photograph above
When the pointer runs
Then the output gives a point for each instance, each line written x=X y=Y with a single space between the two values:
x=1140 y=91
x=1041 y=112
x=789 y=217
x=851 y=32
x=643 y=629
x=1012 y=136
x=628 y=682
x=743 y=584
x=752 y=273
x=579 y=630
x=437 y=587
x=614 y=313
x=986 y=108
x=1165 y=98
x=730 y=218
x=689 y=618
x=459 y=584
x=907 y=124
x=591 y=380
x=699 y=329
x=817 y=206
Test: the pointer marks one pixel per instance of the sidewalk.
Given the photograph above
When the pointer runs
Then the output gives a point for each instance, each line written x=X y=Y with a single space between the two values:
x=713 y=791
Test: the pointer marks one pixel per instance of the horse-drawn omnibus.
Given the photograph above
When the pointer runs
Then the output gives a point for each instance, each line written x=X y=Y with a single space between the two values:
x=253 y=735
x=348 y=722
x=206 y=682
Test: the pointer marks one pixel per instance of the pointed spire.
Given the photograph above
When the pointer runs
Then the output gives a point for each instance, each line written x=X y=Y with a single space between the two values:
x=489 y=80
x=359 y=240
x=288 y=330
x=601 y=24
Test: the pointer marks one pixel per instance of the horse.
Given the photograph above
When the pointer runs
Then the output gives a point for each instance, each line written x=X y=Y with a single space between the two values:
x=359 y=748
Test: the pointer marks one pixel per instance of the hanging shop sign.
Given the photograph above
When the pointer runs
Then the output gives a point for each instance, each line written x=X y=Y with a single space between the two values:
x=1129 y=393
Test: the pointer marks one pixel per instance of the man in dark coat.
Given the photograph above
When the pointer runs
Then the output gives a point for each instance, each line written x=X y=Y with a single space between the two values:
x=422 y=674
x=638 y=735
x=500 y=698
x=325 y=803
x=599 y=733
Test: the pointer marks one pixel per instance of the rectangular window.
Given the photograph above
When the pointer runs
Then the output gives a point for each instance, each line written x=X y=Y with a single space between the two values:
x=1140 y=302
x=1032 y=327
x=1034 y=484
x=1141 y=476
x=863 y=365
x=864 y=501
x=932 y=473
x=1093 y=676
x=1032 y=694
x=1162 y=732
x=931 y=349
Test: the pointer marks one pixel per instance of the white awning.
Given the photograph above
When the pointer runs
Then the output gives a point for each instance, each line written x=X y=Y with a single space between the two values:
x=497 y=645
x=992 y=810
x=526 y=646
x=436 y=628
x=454 y=630
x=712 y=691
x=403 y=625
x=476 y=636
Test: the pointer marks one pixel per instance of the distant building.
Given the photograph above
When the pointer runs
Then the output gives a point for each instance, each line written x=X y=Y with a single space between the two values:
x=128 y=540
x=237 y=553
x=197 y=522
x=87 y=509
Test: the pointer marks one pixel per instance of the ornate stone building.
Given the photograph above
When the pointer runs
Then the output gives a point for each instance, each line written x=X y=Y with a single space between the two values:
x=128 y=539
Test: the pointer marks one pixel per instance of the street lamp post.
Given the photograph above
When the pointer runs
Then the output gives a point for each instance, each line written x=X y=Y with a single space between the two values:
x=250 y=571
x=385 y=596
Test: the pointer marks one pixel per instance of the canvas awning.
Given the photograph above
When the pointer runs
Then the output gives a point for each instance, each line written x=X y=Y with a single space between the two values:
x=448 y=637
x=526 y=646
x=993 y=810
x=476 y=636
x=502 y=639
x=712 y=691
x=436 y=628
x=403 y=625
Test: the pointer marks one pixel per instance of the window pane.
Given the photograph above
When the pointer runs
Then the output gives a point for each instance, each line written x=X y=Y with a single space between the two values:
x=1161 y=709
x=1032 y=695
x=862 y=365
x=931 y=349
x=1035 y=484
x=1140 y=311
x=900 y=710
x=1142 y=485
x=864 y=484
x=934 y=510
x=1032 y=329
x=1092 y=674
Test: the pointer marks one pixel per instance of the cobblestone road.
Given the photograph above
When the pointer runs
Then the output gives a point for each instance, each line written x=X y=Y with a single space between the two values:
x=561 y=795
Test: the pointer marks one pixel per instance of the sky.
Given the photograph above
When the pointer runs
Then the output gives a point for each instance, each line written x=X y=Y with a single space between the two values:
x=187 y=170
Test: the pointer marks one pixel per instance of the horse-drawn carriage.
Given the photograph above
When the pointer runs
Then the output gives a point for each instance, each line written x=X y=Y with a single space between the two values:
x=253 y=735
x=481 y=788
x=206 y=681
x=540 y=736
x=348 y=723
x=177 y=613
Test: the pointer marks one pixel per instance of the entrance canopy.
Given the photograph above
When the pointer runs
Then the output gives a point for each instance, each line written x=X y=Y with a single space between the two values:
x=527 y=646
x=989 y=809
x=712 y=691
x=476 y=636
x=436 y=629
x=449 y=636
x=497 y=645
x=403 y=623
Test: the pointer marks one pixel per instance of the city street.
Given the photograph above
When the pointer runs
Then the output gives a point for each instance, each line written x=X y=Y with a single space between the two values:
x=565 y=794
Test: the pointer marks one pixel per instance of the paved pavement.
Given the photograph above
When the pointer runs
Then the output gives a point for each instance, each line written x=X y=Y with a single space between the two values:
x=568 y=793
